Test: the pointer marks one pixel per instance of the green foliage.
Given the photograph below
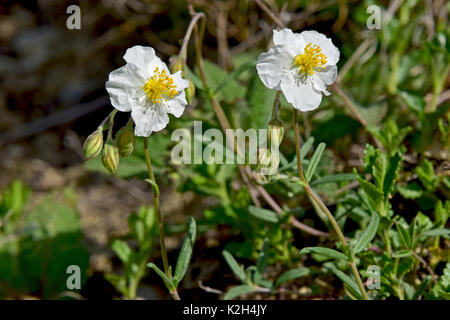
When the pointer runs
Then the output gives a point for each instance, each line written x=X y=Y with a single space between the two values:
x=37 y=247
x=142 y=226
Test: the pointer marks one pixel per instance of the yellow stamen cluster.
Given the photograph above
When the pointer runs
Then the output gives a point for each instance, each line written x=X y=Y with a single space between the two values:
x=159 y=86
x=312 y=59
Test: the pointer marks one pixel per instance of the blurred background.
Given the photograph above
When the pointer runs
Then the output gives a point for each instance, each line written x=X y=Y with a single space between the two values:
x=57 y=211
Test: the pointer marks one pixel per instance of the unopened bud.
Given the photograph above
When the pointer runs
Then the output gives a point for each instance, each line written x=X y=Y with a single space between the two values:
x=190 y=92
x=93 y=144
x=110 y=158
x=176 y=64
x=125 y=140
x=275 y=134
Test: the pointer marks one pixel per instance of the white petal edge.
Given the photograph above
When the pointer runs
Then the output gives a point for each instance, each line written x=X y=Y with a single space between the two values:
x=122 y=84
x=145 y=59
x=286 y=37
x=303 y=97
x=271 y=64
x=149 y=118
x=322 y=79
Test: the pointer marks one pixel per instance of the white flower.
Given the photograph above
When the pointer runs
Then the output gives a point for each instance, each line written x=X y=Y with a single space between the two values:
x=300 y=65
x=145 y=87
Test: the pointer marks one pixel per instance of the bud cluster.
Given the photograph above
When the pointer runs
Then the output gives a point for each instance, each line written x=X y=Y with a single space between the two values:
x=111 y=152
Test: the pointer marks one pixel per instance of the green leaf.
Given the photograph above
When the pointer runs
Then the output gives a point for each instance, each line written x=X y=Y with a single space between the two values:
x=238 y=291
x=324 y=251
x=216 y=75
x=198 y=83
x=163 y=276
x=414 y=102
x=264 y=214
x=368 y=234
x=401 y=254
x=352 y=286
x=339 y=177
x=392 y=173
x=435 y=233
x=237 y=269
x=379 y=170
x=262 y=257
x=305 y=148
x=154 y=185
x=374 y=195
x=404 y=235
x=426 y=175
x=186 y=252
x=292 y=274
x=122 y=250
x=410 y=191
x=315 y=159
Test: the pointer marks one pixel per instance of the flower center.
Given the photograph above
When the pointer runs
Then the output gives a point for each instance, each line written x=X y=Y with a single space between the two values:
x=311 y=60
x=160 y=86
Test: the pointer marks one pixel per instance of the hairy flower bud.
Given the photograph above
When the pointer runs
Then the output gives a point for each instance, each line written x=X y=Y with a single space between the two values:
x=190 y=92
x=125 y=140
x=275 y=134
x=176 y=64
x=93 y=145
x=110 y=158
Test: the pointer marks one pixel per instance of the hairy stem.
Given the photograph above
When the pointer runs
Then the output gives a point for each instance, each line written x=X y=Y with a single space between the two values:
x=159 y=218
x=315 y=198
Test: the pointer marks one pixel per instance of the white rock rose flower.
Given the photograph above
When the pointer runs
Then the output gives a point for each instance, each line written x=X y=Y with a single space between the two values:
x=146 y=87
x=300 y=65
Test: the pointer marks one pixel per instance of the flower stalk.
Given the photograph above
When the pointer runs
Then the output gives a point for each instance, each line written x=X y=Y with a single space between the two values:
x=155 y=191
x=316 y=199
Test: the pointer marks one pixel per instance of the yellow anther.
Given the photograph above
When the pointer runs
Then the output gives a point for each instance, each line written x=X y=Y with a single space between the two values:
x=313 y=59
x=160 y=86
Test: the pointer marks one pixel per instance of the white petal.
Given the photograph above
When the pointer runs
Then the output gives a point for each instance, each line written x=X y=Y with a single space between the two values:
x=179 y=81
x=149 y=118
x=302 y=96
x=327 y=46
x=122 y=85
x=272 y=64
x=145 y=59
x=176 y=105
x=323 y=78
x=292 y=40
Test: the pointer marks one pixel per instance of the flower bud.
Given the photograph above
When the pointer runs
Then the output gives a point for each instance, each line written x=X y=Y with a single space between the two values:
x=190 y=92
x=93 y=144
x=176 y=64
x=110 y=158
x=125 y=140
x=275 y=134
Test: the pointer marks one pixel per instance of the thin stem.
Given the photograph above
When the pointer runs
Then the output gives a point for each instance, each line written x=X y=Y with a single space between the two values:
x=187 y=36
x=111 y=114
x=316 y=199
x=159 y=218
x=297 y=147
x=276 y=106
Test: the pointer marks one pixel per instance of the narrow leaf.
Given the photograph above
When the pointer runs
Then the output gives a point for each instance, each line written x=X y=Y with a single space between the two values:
x=186 y=252
x=264 y=214
x=292 y=274
x=237 y=269
x=262 y=258
x=315 y=159
x=238 y=291
x=368 y=234
x=163 y=276
x=324 y=251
